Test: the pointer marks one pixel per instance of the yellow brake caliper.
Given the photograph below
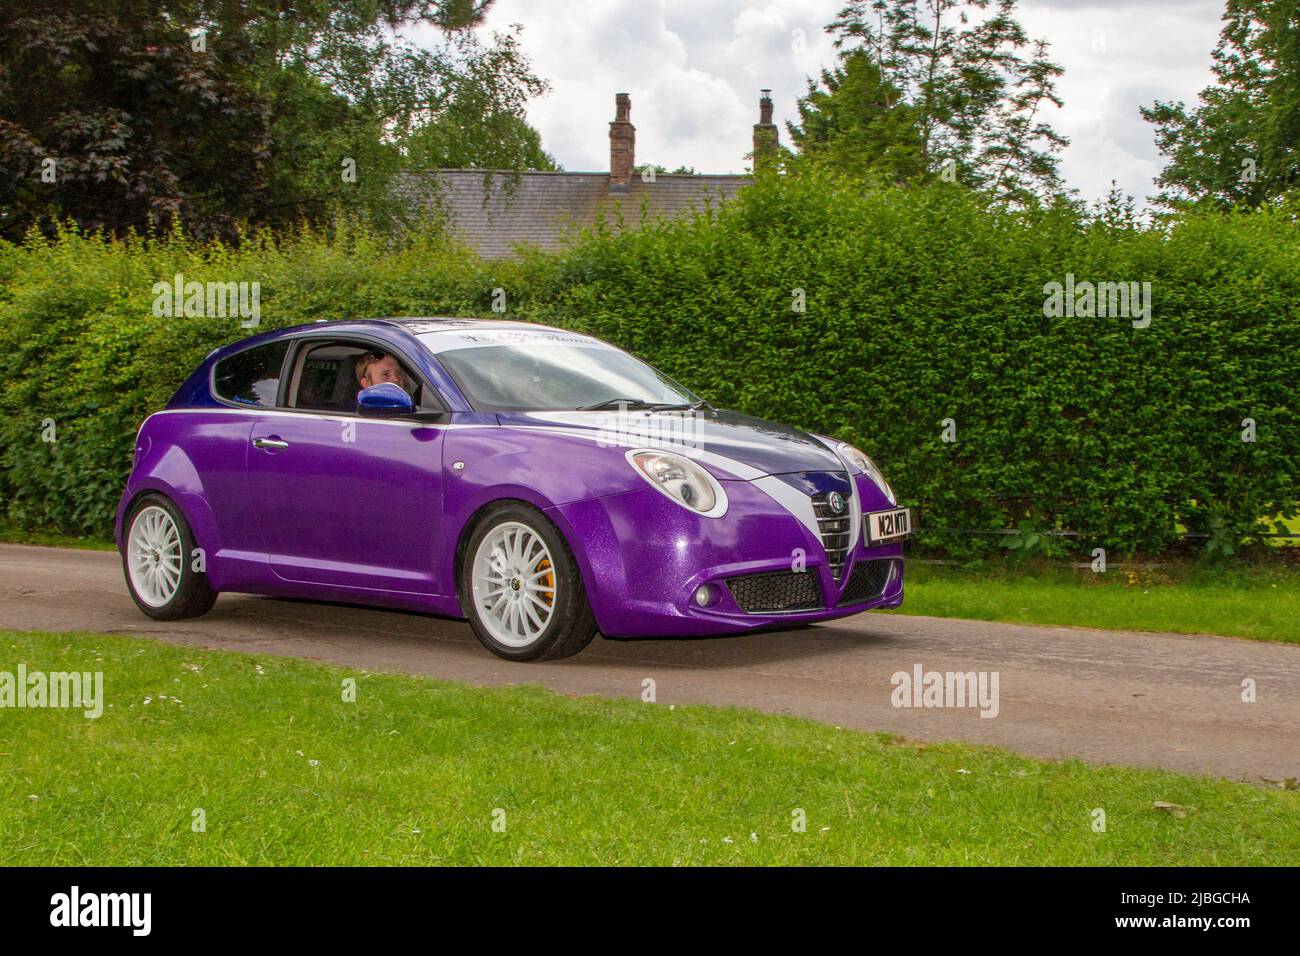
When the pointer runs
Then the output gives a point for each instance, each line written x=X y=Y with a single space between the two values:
x=548 y=581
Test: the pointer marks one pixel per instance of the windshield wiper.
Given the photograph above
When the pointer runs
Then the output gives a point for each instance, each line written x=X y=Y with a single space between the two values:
x=638 y=403
x=641 y=404
x=684 y=406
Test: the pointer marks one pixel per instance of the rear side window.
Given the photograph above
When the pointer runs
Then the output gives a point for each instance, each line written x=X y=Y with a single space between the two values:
x=251 y=377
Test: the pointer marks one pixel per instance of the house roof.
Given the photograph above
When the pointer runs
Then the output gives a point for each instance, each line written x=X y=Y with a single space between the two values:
x=492 y=211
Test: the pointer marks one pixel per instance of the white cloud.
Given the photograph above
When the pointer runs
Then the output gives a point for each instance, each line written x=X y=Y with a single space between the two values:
x=1117 y=57
x=694 y=69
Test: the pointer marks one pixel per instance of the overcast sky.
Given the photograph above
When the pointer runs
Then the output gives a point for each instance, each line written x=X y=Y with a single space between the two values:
x=694 y=69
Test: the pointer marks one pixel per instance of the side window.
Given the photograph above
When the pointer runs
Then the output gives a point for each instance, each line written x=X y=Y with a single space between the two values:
x=328 y=376
x=251 y=377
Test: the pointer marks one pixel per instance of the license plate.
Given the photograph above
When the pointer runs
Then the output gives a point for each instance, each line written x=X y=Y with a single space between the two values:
x=887 y=525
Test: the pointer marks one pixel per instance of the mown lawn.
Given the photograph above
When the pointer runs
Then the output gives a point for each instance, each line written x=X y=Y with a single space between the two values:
x=412 y=772
x=1257 y=602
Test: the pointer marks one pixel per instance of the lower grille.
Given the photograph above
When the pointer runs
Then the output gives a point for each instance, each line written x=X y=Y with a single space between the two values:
x=834 y=530
x=867 y=582
x=776 y=591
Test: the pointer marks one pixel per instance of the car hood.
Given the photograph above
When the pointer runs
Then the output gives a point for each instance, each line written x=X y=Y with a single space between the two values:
x=735 y=445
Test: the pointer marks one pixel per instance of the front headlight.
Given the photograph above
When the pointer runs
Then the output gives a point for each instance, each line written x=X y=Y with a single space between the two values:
x=681 y=479
x=859 y=460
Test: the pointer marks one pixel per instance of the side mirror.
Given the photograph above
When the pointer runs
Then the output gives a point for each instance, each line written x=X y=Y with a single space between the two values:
x=384 y=399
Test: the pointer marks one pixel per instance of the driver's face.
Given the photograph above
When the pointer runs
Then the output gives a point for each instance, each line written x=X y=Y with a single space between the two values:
x=385 y=370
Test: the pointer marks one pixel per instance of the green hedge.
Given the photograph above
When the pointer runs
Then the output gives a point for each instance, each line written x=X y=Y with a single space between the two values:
x=921 y=305
x=79 y=343
x=924 y=305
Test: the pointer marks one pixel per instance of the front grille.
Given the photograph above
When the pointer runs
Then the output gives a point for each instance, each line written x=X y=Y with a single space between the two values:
x=776 y=591
x=834 y=531
x=867 y=582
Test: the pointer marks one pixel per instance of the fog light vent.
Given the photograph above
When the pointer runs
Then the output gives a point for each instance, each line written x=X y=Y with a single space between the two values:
x=777 y=591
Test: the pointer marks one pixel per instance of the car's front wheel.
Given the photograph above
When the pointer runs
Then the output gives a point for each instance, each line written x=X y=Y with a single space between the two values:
x=521 y=588
x=158 y=558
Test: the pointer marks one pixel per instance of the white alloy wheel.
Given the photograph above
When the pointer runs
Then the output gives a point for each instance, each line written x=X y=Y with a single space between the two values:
x=514 y=584
x=154 y=556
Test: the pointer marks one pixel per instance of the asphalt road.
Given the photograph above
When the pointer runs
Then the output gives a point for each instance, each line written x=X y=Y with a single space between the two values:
x=1160 y=700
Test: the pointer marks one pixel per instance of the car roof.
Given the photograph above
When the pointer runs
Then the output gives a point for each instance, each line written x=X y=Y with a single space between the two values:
x=411 y=325
x=419 y=324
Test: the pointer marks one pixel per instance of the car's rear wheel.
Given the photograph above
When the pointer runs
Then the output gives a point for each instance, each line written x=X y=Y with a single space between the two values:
x=158 y=559
x=521 y=588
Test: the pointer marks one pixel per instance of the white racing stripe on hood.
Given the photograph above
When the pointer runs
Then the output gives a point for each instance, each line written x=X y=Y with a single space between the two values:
x=738 y=468
x=792 y=500
x=788 y=497
x=855 y=502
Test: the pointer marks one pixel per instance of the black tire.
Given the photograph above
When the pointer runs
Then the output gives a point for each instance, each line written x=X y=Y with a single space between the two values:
x=193 y=595
x=571 y=626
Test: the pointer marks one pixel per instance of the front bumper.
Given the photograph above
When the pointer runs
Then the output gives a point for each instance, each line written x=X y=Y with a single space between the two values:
x=643 y=557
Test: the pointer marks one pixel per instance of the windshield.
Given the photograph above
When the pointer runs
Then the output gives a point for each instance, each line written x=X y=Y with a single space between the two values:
x=536 y=370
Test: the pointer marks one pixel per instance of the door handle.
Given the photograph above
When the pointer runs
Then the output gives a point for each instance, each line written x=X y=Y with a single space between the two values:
x=269 y=443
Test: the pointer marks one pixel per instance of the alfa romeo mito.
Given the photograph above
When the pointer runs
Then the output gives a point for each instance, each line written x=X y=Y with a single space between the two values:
x=544 y=484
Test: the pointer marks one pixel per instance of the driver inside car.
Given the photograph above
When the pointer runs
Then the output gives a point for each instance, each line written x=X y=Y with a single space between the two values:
x=374 y=368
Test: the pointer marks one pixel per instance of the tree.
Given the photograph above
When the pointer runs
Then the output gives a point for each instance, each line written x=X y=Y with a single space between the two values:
x=957 y=92
x=659 y=168
x=220 y=113
x=1241 y=145
x=480 y=123
x=460 y=140
x=119 y=122
x=857 y=122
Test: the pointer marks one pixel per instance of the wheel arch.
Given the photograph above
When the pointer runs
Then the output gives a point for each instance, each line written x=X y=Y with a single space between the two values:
x=194 y=508
x=485 y=510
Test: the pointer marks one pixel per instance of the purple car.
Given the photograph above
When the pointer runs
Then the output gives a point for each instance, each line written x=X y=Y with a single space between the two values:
x=542 y=483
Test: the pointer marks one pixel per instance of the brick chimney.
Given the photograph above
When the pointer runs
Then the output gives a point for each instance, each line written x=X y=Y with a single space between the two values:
x=766 y=136
x=622 y=145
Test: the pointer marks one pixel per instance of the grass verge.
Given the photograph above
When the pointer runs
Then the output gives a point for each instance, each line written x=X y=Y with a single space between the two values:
x=54 y=539
x=417 y=771
x=1261 y=603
